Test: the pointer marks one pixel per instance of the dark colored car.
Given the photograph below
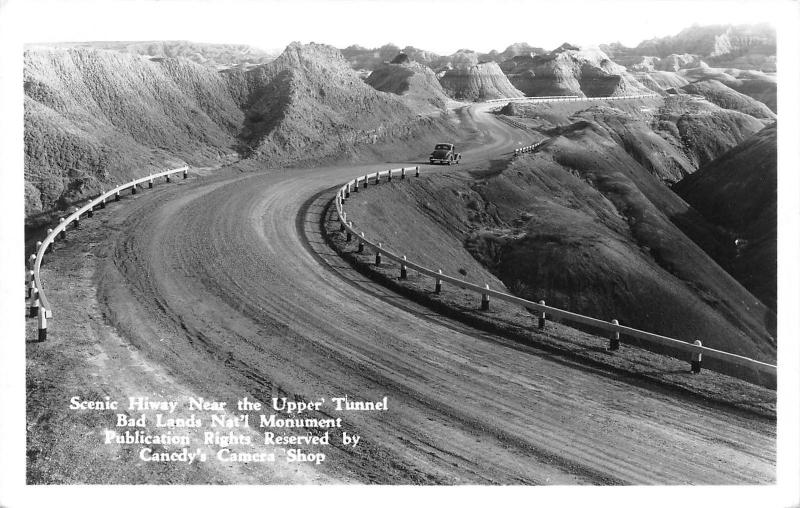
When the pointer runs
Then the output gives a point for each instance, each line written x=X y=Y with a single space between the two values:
x=445 y=153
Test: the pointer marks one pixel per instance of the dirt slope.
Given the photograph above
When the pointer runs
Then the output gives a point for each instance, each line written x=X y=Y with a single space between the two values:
x=94 y=116
x=670 y=136
x=738 y=191
x=309 y=101
x=660 y=81
x=728 y=98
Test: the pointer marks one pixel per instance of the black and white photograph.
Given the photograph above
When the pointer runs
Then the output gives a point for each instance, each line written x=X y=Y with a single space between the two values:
x=538 y=252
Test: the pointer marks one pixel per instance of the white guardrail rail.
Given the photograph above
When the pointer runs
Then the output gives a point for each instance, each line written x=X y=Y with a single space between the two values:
x=696 y=349
x=39 y=306
x=571 y=98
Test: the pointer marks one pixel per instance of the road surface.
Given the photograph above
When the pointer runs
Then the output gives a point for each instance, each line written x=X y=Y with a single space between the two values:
x=232 y=289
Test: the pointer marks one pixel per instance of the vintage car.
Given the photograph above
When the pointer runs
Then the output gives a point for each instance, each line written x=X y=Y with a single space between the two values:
x=445 y=153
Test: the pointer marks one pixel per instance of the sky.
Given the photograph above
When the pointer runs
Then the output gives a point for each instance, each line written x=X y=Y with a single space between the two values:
x=441 y=26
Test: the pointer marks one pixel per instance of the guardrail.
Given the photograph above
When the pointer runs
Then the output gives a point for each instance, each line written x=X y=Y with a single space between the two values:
x=39 y=306
x=697 y=350
x=571 y=98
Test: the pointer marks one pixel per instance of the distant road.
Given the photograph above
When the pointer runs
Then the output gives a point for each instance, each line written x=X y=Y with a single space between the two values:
x=225 y=274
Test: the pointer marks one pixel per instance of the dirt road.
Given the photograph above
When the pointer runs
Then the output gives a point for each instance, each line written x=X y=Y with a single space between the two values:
x=227 y=284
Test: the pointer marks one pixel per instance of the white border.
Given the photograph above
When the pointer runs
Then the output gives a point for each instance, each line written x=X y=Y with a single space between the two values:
x=14 y=492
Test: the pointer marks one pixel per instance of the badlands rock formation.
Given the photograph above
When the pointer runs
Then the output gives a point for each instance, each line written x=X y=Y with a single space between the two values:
x=568 y=70
x=413 y=81
x=473 y=81
x=93 y=117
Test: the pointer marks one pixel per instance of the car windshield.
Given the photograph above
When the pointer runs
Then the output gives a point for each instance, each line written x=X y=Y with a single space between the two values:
x=442 y=147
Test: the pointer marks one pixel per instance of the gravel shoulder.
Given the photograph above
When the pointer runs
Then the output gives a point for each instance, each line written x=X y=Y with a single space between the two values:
x=215 y=287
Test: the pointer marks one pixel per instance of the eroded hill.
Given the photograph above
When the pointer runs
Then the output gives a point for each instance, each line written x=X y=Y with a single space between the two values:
x=94 y=117
x=568 y=70
x=413 y=81
x=477 y=82
x=584 y=226
x=589 y=223
x=738 y=192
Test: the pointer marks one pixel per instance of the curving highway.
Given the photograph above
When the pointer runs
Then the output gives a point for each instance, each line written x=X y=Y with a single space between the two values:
x=233 y=289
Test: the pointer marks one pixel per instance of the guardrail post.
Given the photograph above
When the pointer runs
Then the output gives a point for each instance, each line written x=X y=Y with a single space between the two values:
x=150 y=183
x=77 y=220
x=366 y=181
x=38 y=245
x=90 y=212
x=402 y=173
x=34 y=311
x=32 y=260
x=349 y=234
x=63 y=234
x=390 y=175
x=49 y=245
x=133 y=189
x=361 y=243
x=185 y=174
x=697 y=359
x=347 y=191
x=542 y=317
x=378 y=255
x=116 y=196
x=403 y=269
x=416 y=173
x=485 y=300
x=43 y=326
x=342 y=219
x=30 y=283
x=103 y=204
x=377 y=177
x=613 y=344
x=168 y=179
x=438 y=288
x=355 y=187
